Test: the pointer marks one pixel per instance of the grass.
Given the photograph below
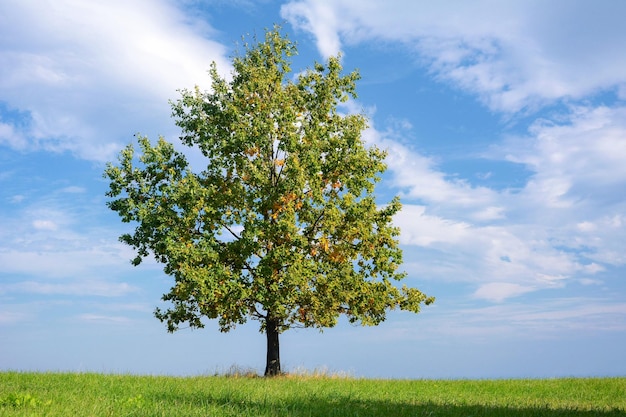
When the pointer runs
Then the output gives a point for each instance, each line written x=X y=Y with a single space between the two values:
x=68 y=394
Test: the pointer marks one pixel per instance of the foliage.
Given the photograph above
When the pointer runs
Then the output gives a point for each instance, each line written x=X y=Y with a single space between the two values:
x=282 y=224
x=20 y=400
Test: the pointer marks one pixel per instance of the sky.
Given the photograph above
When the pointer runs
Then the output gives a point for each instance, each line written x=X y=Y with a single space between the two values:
x=505 y=126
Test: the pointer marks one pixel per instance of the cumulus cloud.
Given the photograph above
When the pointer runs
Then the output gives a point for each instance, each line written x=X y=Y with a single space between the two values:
x=565 y=223
x=513 y=55
x=582 y=155
x=577 y=189
x=420 y=179
x=79 y=69
x=474 y=234
x=556 y=229
x=421 y=229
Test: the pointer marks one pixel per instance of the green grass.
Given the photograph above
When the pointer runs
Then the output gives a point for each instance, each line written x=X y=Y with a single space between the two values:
x=67 y=394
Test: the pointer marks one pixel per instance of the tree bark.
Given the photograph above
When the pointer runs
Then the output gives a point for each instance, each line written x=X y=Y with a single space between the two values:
x=272 y=365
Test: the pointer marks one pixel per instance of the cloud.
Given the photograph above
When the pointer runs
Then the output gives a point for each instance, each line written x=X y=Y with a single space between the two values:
x=51 y=239
x=499 y=291
x=45 y=225
x=82 y=288
x=511 y=54
x=564 y=225
x=420 y=179
x=73 y=190
x=523 y=256
x=549 y=318
x=579 y=179
x=579 y=156
x=51 y=262
x=319 y=18
x=421 y=229
x=9 y=136
x=97 y=318
x=9 y=318
x=89 y=75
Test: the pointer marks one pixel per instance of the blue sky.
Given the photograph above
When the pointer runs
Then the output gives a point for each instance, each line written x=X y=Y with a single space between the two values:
x=505 y=124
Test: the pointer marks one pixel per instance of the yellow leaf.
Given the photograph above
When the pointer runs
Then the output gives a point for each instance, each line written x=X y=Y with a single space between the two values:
x=252 y=151
x=337 y=256
x=324 y=244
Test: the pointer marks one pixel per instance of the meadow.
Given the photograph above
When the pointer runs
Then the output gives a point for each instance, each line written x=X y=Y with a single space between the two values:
x=86 y=394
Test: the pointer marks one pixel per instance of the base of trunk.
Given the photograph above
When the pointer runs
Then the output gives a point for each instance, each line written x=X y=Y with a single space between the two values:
x=272 y=364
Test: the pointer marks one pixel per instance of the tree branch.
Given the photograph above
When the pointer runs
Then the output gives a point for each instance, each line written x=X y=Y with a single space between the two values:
x=311 y=232
x=235 y=235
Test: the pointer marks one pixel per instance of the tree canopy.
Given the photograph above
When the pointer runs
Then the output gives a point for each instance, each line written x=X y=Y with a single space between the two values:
x=281 y=225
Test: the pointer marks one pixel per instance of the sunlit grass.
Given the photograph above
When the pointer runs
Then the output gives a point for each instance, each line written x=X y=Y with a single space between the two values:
x=304 y=394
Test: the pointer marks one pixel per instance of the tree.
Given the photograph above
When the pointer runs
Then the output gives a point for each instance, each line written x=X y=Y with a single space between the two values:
x=282 y=225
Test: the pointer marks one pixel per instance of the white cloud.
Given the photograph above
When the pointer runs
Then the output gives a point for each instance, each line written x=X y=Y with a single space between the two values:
x=490 y=213
x=419 y=179
x=46 y=218
x=10 y=317
x=9 y=137
x=564 y=225
x=548 y=318
x=54 y=261
x=556 y=229
x=421 y=229
x=45 y=225
x=581 y=155
x=577 y=190
x=523 y=256
x=73 y=190
x=81 y=288
x=51 y=239
x=318 y=18
x=512 y=54
x=97 y=318
x=499 y=291
x=588 y=281
x=91 y=74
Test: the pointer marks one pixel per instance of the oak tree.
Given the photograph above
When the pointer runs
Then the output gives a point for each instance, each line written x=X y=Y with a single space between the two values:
x=281 y=225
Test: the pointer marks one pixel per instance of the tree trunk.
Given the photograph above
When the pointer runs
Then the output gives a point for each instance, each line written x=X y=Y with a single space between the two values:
x=272 y=365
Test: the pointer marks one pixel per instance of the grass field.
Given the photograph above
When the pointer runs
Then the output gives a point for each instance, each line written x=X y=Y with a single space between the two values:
x=67 y=394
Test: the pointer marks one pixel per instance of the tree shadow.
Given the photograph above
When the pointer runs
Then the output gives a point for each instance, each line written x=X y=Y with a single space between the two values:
x=345 y=406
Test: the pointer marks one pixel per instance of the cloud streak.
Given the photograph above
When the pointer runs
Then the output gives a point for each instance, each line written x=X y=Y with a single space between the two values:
x=566 y=223
x=511 y=54
x=82 y=288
